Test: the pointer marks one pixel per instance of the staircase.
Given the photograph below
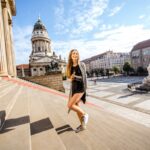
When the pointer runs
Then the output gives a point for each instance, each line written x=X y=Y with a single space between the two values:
x=33 y=117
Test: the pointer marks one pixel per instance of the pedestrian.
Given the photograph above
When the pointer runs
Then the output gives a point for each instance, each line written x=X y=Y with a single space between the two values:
x=76 y=73
x=95 y=82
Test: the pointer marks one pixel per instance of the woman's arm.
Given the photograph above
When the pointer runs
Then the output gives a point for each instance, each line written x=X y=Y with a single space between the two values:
x=71 y=78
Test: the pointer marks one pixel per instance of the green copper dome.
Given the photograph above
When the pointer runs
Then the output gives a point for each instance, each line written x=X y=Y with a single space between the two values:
x=39 y=25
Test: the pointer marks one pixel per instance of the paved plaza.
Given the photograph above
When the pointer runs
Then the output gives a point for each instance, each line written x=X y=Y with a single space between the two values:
x=112 y=95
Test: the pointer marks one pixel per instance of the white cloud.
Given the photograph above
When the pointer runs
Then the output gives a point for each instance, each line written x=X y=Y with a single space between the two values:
x=22 y=43
x=141 y=16
x=82 y=16
x=120 y=39
x=115 y=10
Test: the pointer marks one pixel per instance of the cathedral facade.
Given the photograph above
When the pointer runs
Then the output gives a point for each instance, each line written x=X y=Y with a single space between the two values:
x=43 y=59
x=7 y=56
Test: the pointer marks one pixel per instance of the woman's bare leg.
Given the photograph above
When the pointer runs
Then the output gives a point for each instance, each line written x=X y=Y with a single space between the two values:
x=72 y=103
x=78 y=114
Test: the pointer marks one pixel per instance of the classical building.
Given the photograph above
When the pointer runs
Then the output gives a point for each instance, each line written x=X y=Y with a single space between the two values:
x=107 y=60
x=7 y=57
x=43 y=59
x=140 y=54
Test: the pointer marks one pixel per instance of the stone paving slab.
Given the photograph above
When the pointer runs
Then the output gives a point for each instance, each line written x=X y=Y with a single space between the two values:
x=122 y=99
x=101 y=93
x=91 y=90
x=133 y=115
x=144 y=105
x=101 y=88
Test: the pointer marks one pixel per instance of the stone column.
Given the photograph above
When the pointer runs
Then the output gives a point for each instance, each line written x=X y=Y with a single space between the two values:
x=40 y=45
x=35 y=46
x=22 y=70
x=12 y=50
x=43 y=46
x=32 y=47
x=7 y=39
x=47 y=47
x=3 y=61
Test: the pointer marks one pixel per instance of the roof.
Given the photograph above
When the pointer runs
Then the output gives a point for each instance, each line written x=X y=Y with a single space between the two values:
x=141 y=45
x=39 y=25
x=97 y=56
x=25 y=66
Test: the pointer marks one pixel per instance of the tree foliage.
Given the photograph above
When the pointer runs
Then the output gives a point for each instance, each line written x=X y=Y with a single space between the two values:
x=115 y=69
x=127 y=67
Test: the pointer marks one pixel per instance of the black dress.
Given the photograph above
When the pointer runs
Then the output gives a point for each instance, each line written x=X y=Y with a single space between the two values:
x=77 y=85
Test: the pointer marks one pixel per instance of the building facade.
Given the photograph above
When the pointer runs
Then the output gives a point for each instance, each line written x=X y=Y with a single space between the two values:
x=23 y=70
x=107 y=60
x=43 y=59
x=140 y=55
x=7 y=56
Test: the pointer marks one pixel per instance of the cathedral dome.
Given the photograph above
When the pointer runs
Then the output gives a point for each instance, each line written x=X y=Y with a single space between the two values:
x=39 y=25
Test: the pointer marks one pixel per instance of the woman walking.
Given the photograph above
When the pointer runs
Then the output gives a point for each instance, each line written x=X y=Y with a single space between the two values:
x=76 y=72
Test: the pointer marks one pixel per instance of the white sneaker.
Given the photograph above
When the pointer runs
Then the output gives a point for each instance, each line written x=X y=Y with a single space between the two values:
x=85 y=119
x=79 y=128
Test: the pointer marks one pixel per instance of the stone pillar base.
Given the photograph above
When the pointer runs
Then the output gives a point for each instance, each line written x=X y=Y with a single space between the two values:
x=5 y=75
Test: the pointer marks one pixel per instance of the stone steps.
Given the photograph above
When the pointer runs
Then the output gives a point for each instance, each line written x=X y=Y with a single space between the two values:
x=7 y=98
x=3 y=83
x=45 y=127
x=43 y=134
x=5 y=88
x=64 y=130
x=16 y=131
x=37 y=119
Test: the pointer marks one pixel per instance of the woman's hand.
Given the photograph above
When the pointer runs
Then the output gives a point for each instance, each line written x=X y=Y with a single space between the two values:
x=72 y=77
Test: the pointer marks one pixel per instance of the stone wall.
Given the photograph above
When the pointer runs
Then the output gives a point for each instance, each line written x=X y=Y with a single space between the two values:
x=52 y=80
x=24 y=73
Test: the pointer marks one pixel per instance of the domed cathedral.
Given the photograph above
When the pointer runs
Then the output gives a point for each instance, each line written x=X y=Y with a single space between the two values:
x=43 y=59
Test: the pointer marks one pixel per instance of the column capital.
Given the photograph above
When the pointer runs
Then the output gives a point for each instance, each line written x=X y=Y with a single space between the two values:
x=3 y=3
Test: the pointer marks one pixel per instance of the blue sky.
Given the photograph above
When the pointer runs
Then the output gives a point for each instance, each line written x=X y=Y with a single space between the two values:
x=91 y=26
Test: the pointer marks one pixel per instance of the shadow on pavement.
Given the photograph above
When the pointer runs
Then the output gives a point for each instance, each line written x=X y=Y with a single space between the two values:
x=63 y=129
x=14 y=122
x=40 y=126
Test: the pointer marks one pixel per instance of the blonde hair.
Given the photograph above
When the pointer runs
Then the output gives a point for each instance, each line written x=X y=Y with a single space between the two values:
x=70 y=62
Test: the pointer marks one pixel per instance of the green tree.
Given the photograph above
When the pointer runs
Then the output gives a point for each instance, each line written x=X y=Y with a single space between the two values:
x=96 y=72
x=127 y=67
x=115 y=69
x=107 y=72
x=102 y=71
x=140 y=70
